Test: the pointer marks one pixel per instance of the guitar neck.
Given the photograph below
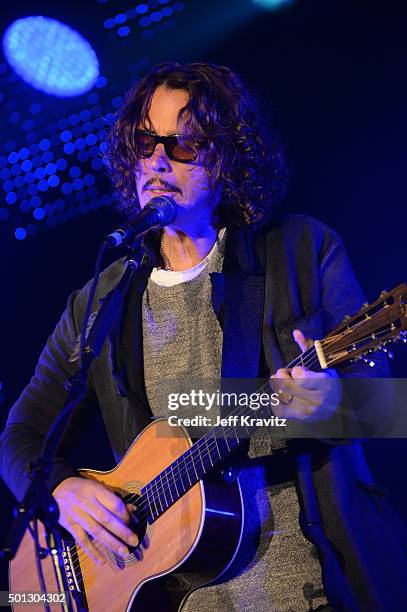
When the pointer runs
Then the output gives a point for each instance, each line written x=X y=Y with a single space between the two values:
x=371 y=329
x=211 y=449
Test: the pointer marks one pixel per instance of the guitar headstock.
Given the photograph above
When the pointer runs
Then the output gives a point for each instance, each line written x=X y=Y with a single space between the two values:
x=373 y=328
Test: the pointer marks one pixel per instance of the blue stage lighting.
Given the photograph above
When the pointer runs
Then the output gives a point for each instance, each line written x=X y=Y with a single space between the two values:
x=101 y=82
x=142 y=8
x=80 y=144
x=39 y=214
x=8 y=185
x=61 y=163
x=69 y=148
x=50 y=56
x=43 y=185
x=32 y=189
x=20 y=233
x=271 y=5
x=47 y=157
x=11 y=197
x=13 y=157
x=26 y=165
x=35 y=108
x=66 y=188
x=121 y=18
x=23 y=153
x=75 y=172
x=28 y=125
x=66 y=135
x=39 y=173
x=50 y=168
x=85 y=115
x=44 y=144
x=91 y=139
x=123 y=31
x=14 y=117
x=53 y=180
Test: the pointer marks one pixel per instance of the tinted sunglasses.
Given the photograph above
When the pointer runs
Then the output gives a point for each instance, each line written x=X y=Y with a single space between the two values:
x=177 y=147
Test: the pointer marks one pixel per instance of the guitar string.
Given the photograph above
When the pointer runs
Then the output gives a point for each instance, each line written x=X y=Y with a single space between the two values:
x=161 y=485
x=185 y=469
x=301 y=358
x=167 y=489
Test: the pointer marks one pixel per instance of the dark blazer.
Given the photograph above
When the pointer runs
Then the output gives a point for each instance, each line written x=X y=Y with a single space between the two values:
x=293 y=274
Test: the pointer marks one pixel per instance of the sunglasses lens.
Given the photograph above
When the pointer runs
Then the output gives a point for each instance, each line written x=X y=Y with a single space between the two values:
x=144 y=144
x=182 y=149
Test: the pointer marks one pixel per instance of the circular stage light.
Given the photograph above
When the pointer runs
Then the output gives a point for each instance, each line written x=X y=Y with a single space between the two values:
x=20 y=233
x=51 y=56
x=271 y=5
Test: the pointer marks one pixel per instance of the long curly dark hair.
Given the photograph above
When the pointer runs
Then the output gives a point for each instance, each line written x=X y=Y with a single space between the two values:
x=242 y=155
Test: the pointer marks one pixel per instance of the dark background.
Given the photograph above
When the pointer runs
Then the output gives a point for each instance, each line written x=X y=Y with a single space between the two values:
x=334 y=77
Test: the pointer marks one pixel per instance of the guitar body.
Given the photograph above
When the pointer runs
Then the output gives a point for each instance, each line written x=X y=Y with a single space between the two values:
x=189 y=545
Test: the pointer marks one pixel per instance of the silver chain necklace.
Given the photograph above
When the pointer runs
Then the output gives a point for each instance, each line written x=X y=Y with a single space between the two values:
x=167 y=265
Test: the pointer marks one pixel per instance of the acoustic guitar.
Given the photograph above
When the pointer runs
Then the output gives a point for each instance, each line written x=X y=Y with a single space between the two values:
x=189 y=517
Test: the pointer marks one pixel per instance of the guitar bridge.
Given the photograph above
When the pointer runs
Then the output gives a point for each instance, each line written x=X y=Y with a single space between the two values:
x=69 y=569
x=74 y=577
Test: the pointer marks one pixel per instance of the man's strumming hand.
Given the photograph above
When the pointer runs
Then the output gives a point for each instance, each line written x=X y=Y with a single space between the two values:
x=86 y=508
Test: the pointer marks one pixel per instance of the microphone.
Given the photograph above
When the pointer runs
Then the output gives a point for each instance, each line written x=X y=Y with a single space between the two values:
x=159 y=212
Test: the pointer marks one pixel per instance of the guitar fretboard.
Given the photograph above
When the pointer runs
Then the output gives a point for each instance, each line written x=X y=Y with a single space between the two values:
x=208 y=452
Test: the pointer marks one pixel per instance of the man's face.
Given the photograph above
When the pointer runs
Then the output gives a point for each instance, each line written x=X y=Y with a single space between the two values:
x=188 y=184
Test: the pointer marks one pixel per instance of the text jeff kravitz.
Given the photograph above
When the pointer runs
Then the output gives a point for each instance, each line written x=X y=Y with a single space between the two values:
x=229 y=421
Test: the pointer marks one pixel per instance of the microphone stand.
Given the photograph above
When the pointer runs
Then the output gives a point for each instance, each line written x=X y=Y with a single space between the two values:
x=38 y=502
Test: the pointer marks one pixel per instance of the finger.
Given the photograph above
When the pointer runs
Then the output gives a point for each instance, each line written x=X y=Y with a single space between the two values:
x=278 y=382
x=282 y=373
x=112 y=523
x=285 y=386
x=103 y=536
x=298 y=410
x=82 y=538
x=113 y=503
x=309 y=379
x=303 y=342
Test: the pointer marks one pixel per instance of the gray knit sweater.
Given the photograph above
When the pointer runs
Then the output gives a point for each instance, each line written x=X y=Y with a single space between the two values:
x=276 y=567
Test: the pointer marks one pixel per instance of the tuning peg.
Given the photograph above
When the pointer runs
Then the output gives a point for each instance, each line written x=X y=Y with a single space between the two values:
x=383 y=293
x=346 y=318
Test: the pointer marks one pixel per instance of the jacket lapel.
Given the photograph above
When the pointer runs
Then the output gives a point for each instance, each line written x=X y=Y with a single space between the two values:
x=238 y=300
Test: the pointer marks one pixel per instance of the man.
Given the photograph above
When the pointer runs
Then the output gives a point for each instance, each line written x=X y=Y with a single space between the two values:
x=226 y=289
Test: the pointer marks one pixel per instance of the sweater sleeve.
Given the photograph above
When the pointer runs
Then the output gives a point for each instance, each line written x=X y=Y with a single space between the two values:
x=34 y=412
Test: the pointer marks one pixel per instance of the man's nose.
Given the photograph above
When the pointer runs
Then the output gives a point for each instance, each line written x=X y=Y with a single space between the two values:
x=159 y=161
